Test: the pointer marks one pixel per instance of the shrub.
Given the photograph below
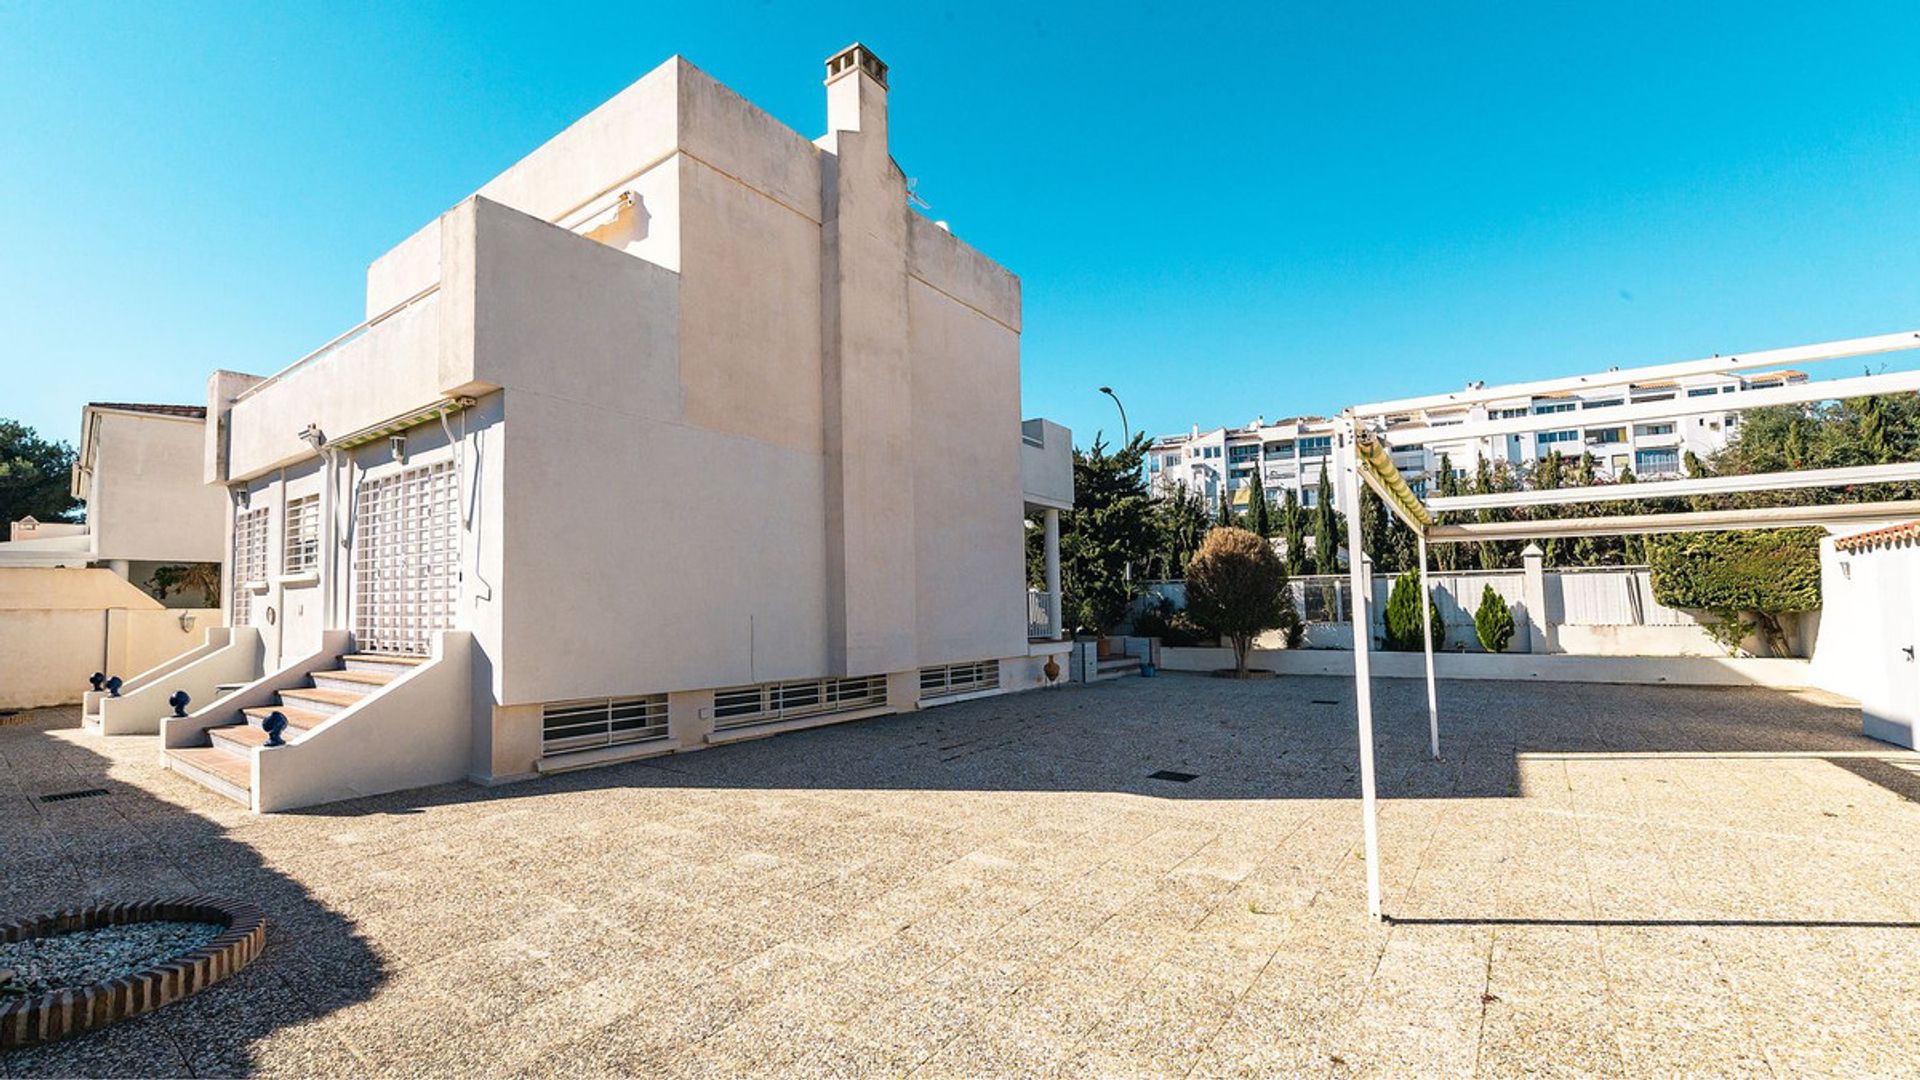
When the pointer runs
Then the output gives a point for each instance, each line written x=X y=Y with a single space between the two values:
x=1237 y=588
x=1403 y=615
x=1762 y=573
x=1153 y=618
x=1493 y=621
x=1182 y=632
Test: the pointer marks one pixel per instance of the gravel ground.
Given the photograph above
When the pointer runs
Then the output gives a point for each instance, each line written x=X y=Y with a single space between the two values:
x=85 y=957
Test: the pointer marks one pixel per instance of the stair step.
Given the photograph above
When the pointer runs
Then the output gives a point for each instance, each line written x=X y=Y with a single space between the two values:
x=352 y=682
x=238 y=739
x=229 y=774
x=320 y=701
x=383 y=658
x=296 y=718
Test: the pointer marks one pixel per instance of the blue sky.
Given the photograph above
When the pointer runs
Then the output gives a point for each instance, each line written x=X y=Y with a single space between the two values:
x=1221 y=211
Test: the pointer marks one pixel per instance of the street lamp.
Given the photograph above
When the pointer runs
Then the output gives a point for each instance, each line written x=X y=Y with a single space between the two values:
x=1126 y=436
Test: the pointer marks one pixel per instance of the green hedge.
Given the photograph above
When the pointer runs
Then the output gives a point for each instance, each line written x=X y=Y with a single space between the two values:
x=1771 y=570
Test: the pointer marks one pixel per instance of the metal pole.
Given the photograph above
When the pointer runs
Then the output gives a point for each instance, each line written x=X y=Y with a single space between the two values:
x=1426 y=641
x=1362 y=661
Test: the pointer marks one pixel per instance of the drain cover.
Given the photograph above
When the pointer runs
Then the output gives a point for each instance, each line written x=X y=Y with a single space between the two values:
x=63 y=796
x=1176 y=777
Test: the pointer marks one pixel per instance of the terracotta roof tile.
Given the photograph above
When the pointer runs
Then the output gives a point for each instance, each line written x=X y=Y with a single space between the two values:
x=1892 y=534
x=191 y=412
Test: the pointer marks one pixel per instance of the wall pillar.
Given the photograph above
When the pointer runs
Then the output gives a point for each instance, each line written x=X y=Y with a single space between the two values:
x=1533 y=591
x=1051 y=523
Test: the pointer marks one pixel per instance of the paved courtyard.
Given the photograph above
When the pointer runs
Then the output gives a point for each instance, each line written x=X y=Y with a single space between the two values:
x=1595 y=880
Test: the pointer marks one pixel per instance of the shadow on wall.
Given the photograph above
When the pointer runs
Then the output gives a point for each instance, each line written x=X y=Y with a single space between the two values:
x=1289 y=738
x=129 y=845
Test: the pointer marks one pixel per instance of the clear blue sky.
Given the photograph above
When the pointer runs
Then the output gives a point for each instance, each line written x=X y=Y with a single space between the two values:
x=1221 y=212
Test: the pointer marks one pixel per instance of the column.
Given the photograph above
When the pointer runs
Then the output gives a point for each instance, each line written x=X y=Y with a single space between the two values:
x=1051 y=524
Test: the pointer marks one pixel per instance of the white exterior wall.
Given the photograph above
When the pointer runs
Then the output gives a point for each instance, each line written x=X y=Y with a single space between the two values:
x=145 y=497
x=1869 y=635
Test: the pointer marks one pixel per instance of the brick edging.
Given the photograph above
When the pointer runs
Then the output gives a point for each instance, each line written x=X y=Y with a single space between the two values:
x=46 y=1017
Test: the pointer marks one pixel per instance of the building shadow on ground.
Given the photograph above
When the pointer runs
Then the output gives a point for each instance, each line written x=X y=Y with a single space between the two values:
x=128 y=844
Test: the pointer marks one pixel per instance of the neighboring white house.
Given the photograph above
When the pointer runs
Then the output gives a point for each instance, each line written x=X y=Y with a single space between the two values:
x=1870 y=628
x=684 y=429
x=138 y=470
x=77 y=598
x=1288 y=454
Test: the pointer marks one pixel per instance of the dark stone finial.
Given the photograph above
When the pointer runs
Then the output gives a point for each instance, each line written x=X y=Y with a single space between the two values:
x=98 y=679
x=179 y=701
x=113 y=686
x=273 y=725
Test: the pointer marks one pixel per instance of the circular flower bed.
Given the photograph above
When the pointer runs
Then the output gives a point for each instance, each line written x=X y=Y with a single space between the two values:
x=73 y=971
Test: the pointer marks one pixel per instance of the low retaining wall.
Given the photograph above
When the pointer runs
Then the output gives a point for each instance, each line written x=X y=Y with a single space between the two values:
x=1543 y=667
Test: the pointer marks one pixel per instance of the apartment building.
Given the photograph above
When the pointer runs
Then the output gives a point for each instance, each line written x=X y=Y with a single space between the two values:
x=685 y=429
x=1287 y=455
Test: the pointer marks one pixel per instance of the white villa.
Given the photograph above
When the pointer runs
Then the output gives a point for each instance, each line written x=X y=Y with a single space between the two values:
x=684 y=429
x=1288 y=454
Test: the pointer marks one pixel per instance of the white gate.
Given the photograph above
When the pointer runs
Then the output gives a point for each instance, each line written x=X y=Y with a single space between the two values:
x=403 y=560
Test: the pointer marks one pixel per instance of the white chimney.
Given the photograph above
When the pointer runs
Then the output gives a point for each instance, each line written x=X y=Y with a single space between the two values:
x=857 y=92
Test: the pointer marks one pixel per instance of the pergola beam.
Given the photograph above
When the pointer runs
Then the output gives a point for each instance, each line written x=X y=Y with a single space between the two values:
x=1717 y=365
x=1771 y=517
x=1676 y=407
x=1669 y=489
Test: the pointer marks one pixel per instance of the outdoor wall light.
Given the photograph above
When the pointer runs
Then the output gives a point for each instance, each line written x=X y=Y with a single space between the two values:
x=398 y=444
x=186 y=621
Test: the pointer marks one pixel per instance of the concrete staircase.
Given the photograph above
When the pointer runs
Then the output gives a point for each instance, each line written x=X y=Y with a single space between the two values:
x=225 y=764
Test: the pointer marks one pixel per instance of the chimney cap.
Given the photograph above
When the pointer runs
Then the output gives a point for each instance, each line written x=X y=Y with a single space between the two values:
x=857 y=57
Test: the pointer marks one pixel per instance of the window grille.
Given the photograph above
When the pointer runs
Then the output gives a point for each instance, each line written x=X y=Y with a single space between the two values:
x=959 y=678
x=743 y=706
x=300 y=553
x=403 y=560
x=587 y=725
x=249 y=561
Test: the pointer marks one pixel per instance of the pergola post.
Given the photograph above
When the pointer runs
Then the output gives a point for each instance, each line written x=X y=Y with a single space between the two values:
x=1426 y=643
x=1352 y=492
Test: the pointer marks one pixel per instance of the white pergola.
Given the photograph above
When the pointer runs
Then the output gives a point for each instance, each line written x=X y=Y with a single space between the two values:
x=1366 y=435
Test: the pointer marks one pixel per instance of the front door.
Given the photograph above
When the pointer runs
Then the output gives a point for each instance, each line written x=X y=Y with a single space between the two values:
x=406 y=533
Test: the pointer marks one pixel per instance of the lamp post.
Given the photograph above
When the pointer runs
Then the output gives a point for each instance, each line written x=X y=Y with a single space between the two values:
x=1126 y=436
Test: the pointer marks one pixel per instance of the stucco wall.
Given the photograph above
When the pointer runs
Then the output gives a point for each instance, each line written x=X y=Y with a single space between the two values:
x=969 y=526
x=147 y=500
x=58 y=626
x=385 y=371
x=645 y=550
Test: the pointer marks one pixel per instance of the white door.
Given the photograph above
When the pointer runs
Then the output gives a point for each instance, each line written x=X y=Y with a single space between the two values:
x=1895 y=716
x=404 y=554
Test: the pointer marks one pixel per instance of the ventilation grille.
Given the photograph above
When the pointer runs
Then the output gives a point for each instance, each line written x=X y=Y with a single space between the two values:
x=959 y=678
x=585 y=725
x=743 y=706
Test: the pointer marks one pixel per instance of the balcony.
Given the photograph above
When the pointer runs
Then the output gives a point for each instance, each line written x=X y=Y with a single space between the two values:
x=1046 y=465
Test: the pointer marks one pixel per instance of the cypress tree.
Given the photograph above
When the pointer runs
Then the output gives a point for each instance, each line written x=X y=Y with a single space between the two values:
x=1293 y=530
x=1259 y=514
x=1326 y=544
